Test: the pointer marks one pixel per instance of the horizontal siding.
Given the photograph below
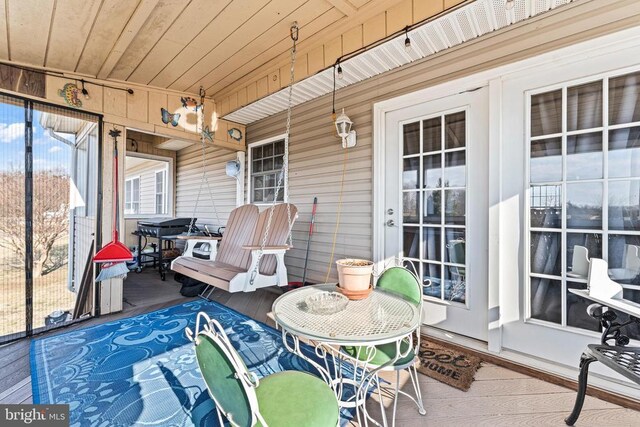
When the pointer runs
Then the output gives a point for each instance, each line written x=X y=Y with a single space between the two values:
x=316 y=154
x=147 y=173
x=189 y=177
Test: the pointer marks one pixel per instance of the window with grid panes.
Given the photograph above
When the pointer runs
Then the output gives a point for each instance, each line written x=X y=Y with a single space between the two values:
x=266 y=165
x=584 y=190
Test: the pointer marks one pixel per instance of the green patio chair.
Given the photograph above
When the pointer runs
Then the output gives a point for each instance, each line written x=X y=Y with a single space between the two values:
x=288 y=398
x=397 y=280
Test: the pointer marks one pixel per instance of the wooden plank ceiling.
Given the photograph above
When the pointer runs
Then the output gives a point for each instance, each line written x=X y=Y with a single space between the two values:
x=173 y=44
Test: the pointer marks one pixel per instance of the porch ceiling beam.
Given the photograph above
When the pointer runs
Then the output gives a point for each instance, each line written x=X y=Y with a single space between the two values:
x=130 y=31
x=343 y=6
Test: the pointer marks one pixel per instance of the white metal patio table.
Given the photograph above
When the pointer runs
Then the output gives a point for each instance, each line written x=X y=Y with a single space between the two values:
x=381 y=318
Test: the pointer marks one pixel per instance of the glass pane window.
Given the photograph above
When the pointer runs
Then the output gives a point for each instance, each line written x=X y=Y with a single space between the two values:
x=266 y=163
x=584 y=106
x=624 y=153
x=584 y=194
x=132 y=196
x=546 y=160
x=161 y=193
x=434 y=180
x=546 y=113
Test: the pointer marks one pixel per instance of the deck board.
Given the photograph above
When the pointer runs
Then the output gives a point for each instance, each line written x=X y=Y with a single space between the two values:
x=498 y=396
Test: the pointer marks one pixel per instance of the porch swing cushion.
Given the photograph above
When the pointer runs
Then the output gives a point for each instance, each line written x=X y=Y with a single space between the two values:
x=215 y=273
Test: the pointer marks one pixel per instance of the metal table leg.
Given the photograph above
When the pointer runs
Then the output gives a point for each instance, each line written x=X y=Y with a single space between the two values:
x=585 y=361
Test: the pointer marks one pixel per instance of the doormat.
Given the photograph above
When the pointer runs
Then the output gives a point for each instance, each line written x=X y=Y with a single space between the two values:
x=449 y=366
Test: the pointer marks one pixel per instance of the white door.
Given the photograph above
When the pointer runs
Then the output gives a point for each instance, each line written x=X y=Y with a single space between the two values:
x=436 y=210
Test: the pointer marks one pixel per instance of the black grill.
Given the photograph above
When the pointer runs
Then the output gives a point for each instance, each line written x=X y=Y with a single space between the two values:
x=160 y=227
x=166 y=231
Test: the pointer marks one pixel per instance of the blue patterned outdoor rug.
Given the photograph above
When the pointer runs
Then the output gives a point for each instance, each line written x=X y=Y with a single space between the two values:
x=143 y=371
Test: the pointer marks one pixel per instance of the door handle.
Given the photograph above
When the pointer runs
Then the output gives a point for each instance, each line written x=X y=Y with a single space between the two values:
x=391 y=223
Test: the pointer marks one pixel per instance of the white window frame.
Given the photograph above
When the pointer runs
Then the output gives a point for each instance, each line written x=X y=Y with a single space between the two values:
x=170 y=189
x=131 y=179
x=604 y=231
x=285 y=186
x=165 y=199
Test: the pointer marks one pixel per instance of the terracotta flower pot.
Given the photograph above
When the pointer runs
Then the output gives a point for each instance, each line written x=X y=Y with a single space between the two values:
x=354 y=275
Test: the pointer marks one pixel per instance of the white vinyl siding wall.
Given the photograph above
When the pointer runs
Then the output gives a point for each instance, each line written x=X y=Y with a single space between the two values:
x=147 y=174
x=189 y=177
x=316 y=156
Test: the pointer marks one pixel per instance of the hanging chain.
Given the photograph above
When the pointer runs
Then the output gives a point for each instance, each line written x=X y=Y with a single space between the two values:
x=204 y=178
x=284 y=171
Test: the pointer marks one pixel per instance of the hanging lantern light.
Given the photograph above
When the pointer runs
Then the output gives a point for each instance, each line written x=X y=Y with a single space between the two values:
x=343 y=128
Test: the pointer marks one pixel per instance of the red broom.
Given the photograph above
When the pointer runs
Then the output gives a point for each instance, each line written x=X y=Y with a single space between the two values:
x=113 y=257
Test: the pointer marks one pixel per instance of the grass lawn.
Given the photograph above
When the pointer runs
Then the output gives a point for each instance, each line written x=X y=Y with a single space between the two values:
x=50 y=293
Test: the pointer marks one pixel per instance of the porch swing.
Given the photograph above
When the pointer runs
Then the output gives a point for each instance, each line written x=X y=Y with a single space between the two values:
x=252 y=248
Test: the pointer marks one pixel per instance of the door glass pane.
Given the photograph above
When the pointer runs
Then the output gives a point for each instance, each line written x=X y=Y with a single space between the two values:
x=584 y=106
x=432 y=207
x=546 y=113
x=546 y=160
x=411 y=138
x=455 y=285
x=455 y=207
x=546 y=206
x=584 y=156
x=432 y=134
x=431 y=273
x=546 y=299
x=431 y=238
x=455 y=130
x=410 y=207
x=584 y=205
x=455 y=170
x=438 y=167
x=411 y=242
x=624 y=153
x=545 y=253
x=410 y=173
x=432 y=171
x=624 y=258
x=624 y=205
x=454 y=243
x=624 y=93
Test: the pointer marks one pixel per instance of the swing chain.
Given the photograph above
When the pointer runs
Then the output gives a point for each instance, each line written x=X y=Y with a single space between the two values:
x=200 y=118
x=284 y=172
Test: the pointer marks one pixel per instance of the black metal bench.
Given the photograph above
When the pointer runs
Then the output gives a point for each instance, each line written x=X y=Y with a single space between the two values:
x=611 y=352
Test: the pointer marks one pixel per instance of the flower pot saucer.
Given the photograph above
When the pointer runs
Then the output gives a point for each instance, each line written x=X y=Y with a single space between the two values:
x=355 y=295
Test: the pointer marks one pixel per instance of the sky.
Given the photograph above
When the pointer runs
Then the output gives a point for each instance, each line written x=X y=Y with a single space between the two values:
x=48 y=153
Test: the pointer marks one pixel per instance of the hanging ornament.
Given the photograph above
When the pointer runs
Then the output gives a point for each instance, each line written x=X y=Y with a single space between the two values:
x=70 y=94
x=235 y=133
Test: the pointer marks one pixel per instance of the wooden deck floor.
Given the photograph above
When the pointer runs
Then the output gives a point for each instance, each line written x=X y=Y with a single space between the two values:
x=498 y=397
